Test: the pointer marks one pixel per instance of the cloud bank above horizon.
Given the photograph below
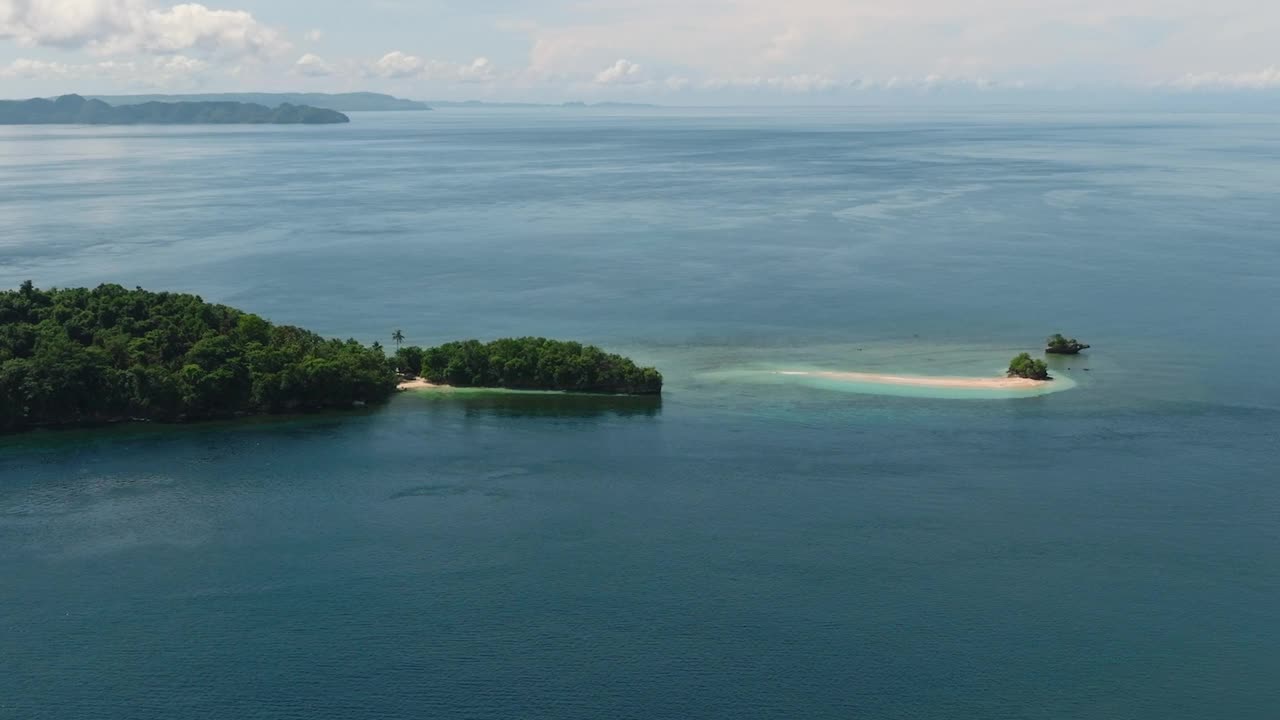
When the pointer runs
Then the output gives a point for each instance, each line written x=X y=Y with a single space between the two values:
x=686 y=51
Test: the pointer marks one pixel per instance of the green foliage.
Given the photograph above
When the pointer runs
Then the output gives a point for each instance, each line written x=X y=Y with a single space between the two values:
x=1025 y=366
x=409 y=360
x=85 y=356
x=532 y=364
x=1061 y=345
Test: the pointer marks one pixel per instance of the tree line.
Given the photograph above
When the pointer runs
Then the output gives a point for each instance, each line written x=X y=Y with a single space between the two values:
x=1025 y=366
x=74 y=356
x=529 y=363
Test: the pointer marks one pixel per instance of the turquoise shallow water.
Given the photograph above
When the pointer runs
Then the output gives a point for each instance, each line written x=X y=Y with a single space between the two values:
x=746 y=546
x=900 y=389
x=807 y=365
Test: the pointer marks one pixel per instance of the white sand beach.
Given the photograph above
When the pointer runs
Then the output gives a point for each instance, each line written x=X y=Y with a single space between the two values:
x=418 y=384
x=975 y=383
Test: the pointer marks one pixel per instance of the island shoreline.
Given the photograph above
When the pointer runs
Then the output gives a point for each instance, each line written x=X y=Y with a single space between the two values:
x=420 y=384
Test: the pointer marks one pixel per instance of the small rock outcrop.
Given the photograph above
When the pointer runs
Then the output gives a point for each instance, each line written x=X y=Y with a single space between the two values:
x=1057 y=344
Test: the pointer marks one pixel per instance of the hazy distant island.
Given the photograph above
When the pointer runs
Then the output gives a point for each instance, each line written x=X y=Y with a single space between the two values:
x=1059 y=345
x=529 y=363
x=343 y=102
x=569 y=105
x=74 y=109
x=77 y=356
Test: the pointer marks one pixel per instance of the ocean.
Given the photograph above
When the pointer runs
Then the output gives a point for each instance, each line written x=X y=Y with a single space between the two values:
x=754 y=545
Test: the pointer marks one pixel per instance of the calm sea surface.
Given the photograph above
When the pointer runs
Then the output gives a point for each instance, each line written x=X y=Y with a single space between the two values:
x=754 y=545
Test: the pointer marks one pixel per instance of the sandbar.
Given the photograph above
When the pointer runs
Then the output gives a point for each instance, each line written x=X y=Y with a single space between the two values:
x=972 y=383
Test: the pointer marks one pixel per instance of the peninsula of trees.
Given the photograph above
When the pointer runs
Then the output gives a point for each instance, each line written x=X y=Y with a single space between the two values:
x=78 y=356
x=529 y=363
x=1025 y=366
x=85 y=357
x=1059 y=345
x=73 y=109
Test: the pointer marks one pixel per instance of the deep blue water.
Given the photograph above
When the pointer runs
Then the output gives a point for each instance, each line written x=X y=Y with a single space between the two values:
x=747 y=548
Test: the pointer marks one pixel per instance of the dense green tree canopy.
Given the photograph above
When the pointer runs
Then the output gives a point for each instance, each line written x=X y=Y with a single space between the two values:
x=530 y=364
x=1025 y=366
x=84 y=356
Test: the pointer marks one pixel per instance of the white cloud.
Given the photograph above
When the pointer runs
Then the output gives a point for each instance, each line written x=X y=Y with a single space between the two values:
x=1051 y=42
x=169 y=71
x=311 y=65
x=619 y=73
x=755 y=48
x=400 y=65
x=397 y=64
x=480 y=70
x=1260 y=80
x=179 y=64
x=36 y=69
x=817 y=83
x=788 y=83
x=110 y=27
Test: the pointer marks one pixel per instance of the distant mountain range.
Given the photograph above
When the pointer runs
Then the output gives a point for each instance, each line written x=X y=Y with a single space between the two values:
x=73 y=109
x=344 y=102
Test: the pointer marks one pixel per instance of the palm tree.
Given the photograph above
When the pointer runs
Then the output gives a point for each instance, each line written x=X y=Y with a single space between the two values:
x=397 y=337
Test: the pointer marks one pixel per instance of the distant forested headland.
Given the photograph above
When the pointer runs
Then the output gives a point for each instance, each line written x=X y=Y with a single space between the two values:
x=530 y=363
x=344 y=102
x=73 y=109
x=83 y=357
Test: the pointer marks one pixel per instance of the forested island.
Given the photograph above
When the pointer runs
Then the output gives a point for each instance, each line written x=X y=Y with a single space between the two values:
x=83 y=357
x=529 y=363
x=1025 y=366
x=1057 y=344
x=73 y=109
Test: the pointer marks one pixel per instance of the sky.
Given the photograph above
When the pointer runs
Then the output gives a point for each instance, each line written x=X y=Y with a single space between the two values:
x=667 y=51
